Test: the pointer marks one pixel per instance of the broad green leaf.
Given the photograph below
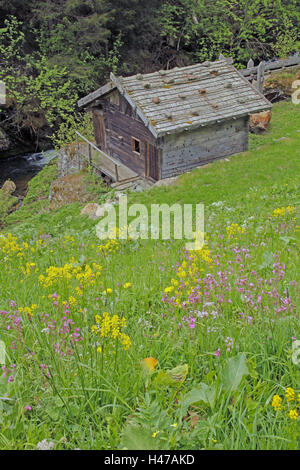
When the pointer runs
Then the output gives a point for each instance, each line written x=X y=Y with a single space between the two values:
x=164 y=379
x=178 y=374
x=172 y=377
x=202 y=393
x=137 y=437
x=234 y=371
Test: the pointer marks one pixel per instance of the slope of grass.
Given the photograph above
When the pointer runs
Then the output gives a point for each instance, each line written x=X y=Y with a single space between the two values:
x=140 y=345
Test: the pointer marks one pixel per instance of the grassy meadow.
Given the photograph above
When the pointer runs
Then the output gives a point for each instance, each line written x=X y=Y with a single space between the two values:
x=141 y=344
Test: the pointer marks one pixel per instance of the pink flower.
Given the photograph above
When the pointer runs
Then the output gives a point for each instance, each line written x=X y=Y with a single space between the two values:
x=27 y=408
x=218 y=352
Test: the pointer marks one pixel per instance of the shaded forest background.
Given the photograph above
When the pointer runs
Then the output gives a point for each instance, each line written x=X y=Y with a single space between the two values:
x=54 y=51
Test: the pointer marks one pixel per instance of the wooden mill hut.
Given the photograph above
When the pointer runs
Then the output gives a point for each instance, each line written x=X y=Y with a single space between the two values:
x=165 y=123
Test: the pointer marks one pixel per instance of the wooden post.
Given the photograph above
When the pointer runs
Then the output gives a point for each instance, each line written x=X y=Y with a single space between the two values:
x=250 y=64
x=229 y=60
x=90 y=154
x=77 y=153
x=261 y=76
x=117 y=172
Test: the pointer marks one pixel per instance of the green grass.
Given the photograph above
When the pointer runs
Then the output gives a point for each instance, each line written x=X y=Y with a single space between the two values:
x=7 y=203
x=215 y=377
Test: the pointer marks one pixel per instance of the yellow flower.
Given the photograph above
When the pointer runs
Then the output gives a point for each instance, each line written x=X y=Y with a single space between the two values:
x=126 y=341
x=293 y=414
x=110 y=328
x=72 y=301
x=283 y=211
x=78 y=291
x=108 y=291
x=169 y=289
x=127 y=285
x=155 y=433
x=234 y=229
x=290 y=394
x=277 y=402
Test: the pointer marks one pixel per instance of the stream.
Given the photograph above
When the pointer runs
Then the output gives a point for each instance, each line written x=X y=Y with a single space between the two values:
x=22 y=168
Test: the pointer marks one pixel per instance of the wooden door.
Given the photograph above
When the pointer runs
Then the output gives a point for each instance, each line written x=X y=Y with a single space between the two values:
x=152 y=165
x=99 y=129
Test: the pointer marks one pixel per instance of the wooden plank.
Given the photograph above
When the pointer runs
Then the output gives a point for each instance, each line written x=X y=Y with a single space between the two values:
x=217 y=115
x=133 y=85
x=204 y=105
x=133 y=104
x=261 y=77
x=180 y=155
x=96 y=94
x=278 y=64
x=180 y=127
x=99 y=129
x=177 y=90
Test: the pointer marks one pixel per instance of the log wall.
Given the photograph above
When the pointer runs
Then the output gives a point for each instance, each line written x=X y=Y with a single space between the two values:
x=121 y=125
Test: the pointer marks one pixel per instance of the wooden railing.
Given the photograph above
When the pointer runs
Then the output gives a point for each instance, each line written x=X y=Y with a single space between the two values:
x=271 y=66
x=257 y=73
x=105 y=163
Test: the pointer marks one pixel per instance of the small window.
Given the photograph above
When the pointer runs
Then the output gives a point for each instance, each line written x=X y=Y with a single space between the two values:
x=136 y=145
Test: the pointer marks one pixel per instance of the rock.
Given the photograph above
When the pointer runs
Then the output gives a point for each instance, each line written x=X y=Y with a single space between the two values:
x=259 y=122
x=9 y=187
x=8 y=204
x=118 y=194
x=70 y=159
x=166 y=181
x=69 y=189
x=95 y=211
x=281 y=139
x=91 y=210
x=138 y=189
x=4 y=141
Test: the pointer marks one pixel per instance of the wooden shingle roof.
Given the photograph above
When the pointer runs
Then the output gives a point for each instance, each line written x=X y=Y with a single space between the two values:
x=185 y=98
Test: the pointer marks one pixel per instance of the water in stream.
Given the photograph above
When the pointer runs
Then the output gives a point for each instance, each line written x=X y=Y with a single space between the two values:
x=22 y=168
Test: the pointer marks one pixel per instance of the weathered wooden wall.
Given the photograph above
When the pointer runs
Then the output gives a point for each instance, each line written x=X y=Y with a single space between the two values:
x=121 y=125
x=187 y=150
x=170 y=155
